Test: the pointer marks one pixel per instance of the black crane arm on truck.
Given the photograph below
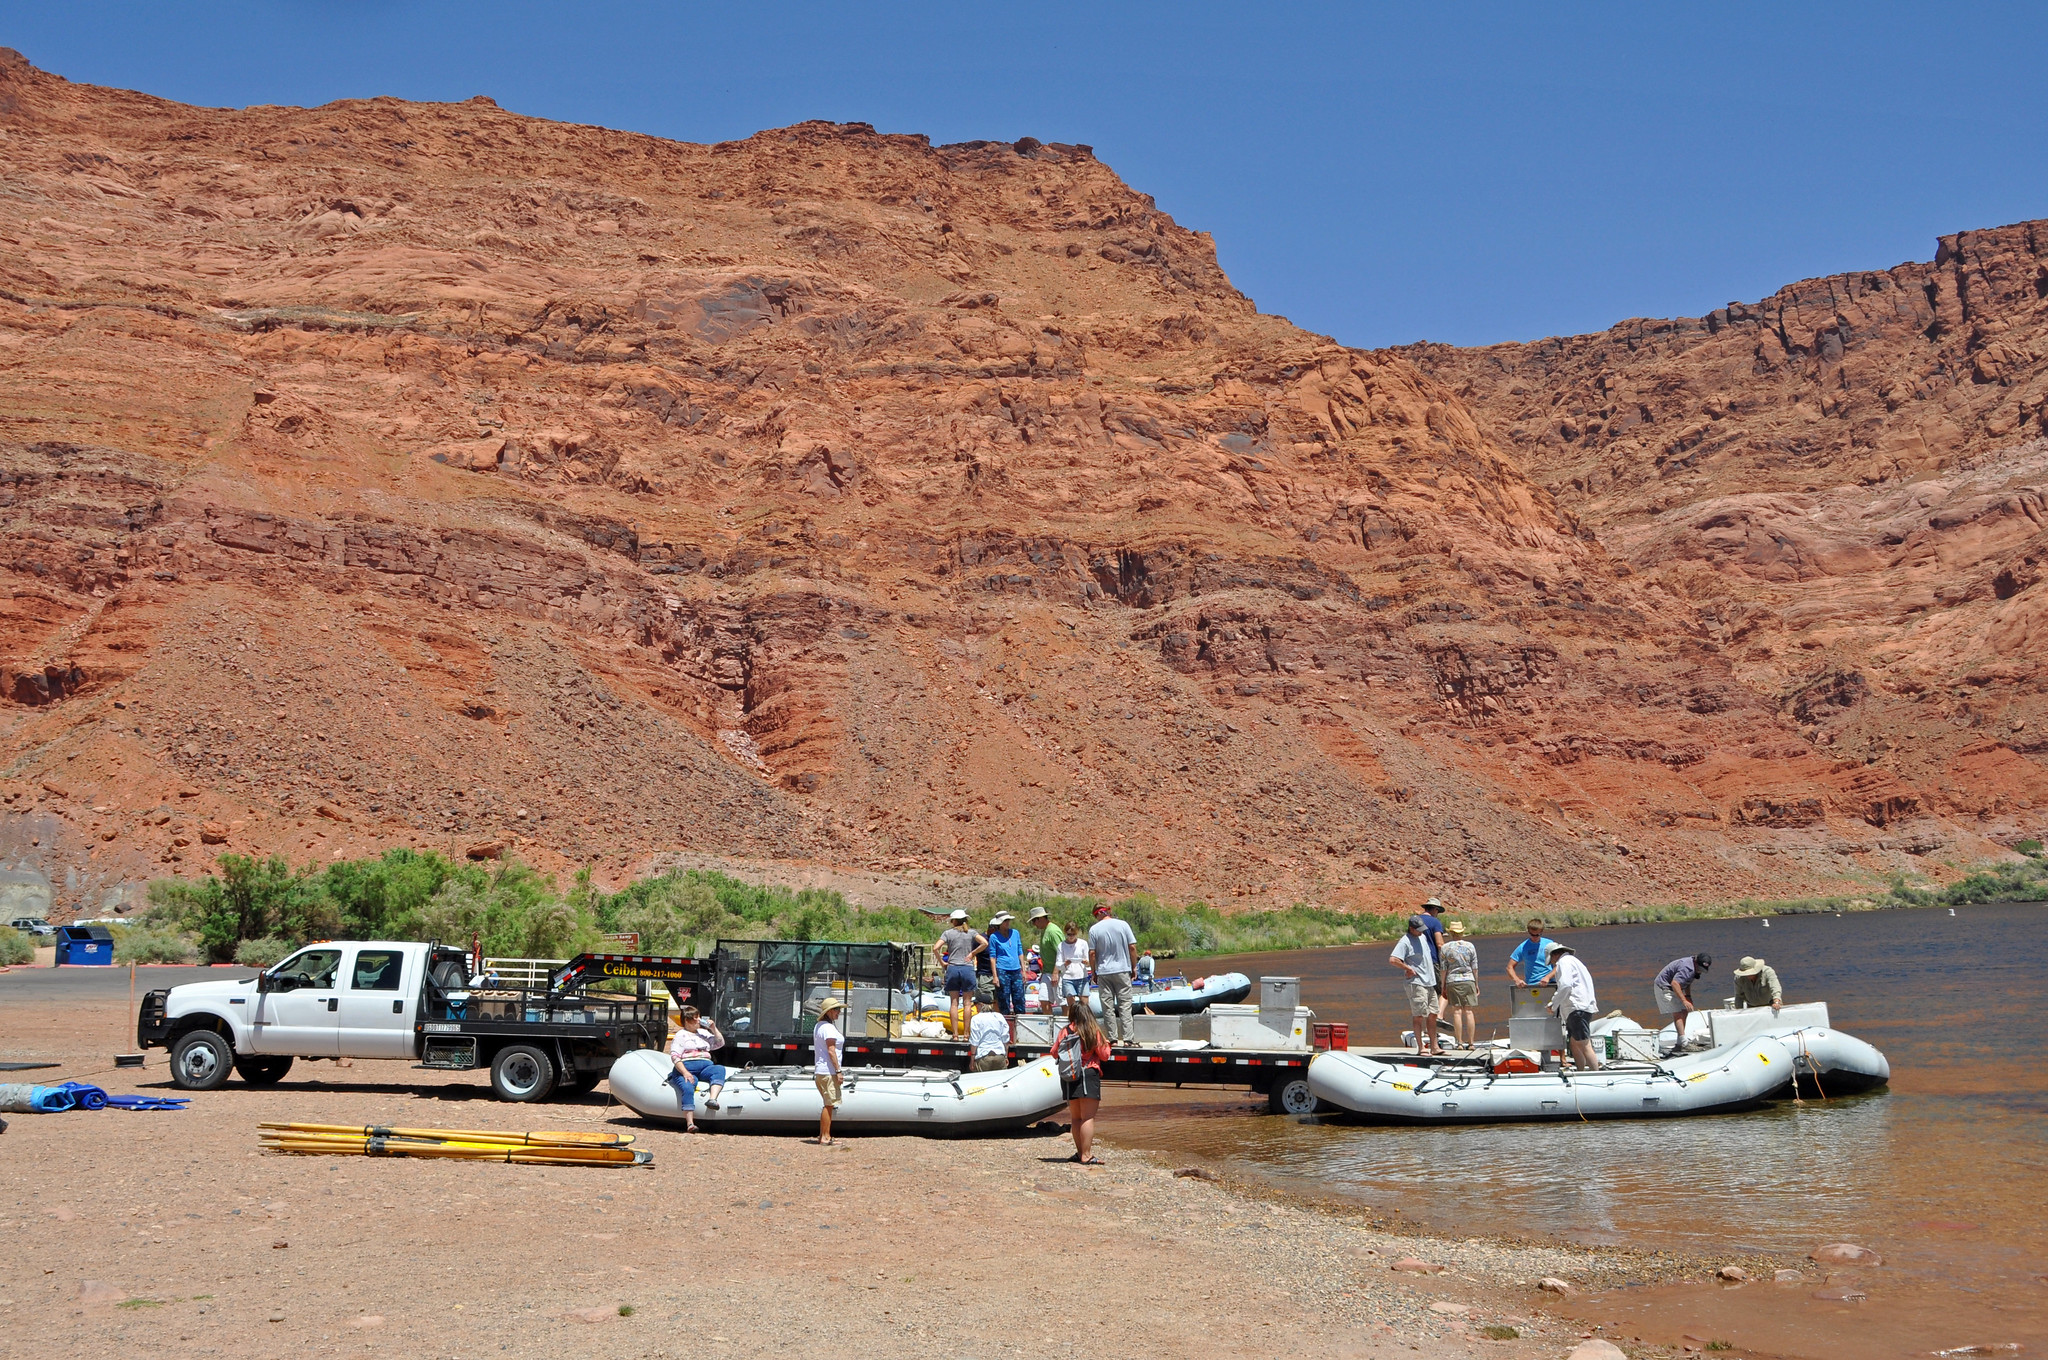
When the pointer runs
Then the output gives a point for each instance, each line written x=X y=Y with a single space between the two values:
x=677 y=973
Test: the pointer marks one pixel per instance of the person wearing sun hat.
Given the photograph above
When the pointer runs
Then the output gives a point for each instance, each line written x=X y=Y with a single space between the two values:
x=1574 y=1003
x=1049 y=955
x=1756 y=984
x=958 y=948
x=828 y=1047
x=1432 y=914
x=1459 y=959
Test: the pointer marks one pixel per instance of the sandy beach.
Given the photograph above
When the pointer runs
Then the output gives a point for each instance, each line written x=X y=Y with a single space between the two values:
x=172 y=1234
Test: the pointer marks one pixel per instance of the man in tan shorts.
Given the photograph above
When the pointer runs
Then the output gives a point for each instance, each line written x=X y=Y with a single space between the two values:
x=828 y=1047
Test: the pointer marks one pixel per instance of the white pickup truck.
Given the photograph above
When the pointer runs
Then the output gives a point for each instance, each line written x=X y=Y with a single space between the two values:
x=395 y=999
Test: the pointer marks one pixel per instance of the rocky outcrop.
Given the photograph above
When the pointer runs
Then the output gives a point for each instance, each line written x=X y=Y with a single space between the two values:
x=430 y=473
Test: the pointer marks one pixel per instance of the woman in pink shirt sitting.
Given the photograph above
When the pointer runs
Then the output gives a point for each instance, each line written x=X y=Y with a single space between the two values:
x=691 y=1050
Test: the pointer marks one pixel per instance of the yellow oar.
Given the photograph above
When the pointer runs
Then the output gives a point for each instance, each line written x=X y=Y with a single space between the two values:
x=479 y=1152
x=563 y=1138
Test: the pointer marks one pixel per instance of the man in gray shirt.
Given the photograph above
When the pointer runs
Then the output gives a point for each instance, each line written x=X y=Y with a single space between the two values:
x=1113 y=953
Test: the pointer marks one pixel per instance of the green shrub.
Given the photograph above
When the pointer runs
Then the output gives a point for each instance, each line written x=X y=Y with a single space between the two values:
x=511 y=907
x=15 y=948
x=249 y=899
x=143 y=944
x=2028 y=847
x=265 y=951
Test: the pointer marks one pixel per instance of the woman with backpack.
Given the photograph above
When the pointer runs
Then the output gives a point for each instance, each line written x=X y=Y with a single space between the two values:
x=1079 y=1050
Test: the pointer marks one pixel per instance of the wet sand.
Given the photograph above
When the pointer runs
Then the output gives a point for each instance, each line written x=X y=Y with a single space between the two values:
x=1943 y=1173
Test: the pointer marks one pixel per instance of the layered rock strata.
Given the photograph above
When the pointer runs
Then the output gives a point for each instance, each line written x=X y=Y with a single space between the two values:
x=389 y=472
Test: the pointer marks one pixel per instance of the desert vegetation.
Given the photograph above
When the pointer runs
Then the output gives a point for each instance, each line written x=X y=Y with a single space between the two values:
x=253 y=912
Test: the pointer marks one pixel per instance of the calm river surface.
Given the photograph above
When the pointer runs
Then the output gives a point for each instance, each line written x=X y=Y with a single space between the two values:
x=1946 y=1172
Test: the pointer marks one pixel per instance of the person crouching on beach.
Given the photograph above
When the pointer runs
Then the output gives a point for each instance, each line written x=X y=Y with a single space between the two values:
x=989 y=1036
x=1079 y=1050
x=828 y=1048
x=690 y=1051
x=1411 y=955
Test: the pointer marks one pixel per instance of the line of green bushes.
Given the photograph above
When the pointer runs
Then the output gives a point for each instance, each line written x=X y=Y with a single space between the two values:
x=253 y=911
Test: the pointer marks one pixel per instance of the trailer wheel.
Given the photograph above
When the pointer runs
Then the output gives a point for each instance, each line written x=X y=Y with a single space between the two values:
x=522 y=1073
x=263 y=1071
x=1292 y=1097
x=201 y=1061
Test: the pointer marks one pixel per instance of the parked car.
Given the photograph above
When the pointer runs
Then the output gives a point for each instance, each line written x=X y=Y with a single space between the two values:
x=33 y=925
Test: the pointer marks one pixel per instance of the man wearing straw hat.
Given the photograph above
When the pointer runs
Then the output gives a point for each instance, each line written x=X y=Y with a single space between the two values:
x=1756 y=984
x=828 y=1046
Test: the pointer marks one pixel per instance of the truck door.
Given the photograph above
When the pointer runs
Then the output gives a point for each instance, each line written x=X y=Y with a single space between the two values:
x=299 y=1014
x=379 y=989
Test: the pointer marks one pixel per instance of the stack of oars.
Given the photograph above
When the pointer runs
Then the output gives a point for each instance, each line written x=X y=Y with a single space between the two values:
x=469 y=1145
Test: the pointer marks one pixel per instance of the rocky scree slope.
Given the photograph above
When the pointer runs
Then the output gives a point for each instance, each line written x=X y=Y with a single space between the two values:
x=389 y=472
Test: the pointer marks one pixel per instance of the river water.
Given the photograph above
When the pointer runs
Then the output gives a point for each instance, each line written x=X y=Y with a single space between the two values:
x=1945 y=1172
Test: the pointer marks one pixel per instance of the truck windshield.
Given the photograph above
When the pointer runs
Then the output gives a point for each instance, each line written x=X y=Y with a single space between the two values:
x=313 y=968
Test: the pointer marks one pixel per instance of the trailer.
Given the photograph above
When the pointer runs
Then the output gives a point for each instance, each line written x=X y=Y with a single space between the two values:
x=412 y=1001
x=767 y=994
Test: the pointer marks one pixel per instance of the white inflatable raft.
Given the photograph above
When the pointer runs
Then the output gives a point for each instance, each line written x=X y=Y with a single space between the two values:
x=877 y=1100
x=1761 y=1067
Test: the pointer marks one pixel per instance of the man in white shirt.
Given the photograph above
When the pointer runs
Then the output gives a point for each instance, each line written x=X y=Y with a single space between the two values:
x=828 y=1050
x=1113 y=953
x=1574 y=1003
x=989 y=1035
x=1411 y=955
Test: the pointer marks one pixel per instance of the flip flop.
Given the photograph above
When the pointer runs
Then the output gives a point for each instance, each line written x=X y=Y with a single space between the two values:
x=1092 y=1161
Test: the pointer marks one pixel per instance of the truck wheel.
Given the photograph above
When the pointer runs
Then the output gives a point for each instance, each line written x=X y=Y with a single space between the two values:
x=263 y=1071
x=201 y=1061
x=522 y=1073
x=1292 y=1097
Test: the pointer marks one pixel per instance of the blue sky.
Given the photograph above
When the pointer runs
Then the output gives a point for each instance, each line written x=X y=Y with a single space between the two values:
x=1380 y=174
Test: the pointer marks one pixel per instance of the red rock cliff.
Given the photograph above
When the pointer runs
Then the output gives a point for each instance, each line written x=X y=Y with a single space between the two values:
x=389 y=472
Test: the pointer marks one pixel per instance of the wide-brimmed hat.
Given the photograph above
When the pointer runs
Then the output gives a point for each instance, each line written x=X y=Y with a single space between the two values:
x=959 y=914
x=1454 y=927
x=1749 y=967
x=1434 y=902
x=831 y=1004
x=1000 y=918
x=1556 y=949
x=1040 y=914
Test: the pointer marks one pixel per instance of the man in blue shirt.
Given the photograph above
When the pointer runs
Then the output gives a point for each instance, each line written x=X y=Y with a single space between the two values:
x=1529 y=965
x=1006 y=954
x=1433 y=932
